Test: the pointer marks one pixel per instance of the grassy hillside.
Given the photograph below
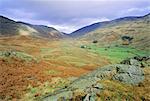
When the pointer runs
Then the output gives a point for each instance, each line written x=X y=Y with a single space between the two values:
x=32 y=67
x=100 y=25
x=47 y=60
x=138 y=30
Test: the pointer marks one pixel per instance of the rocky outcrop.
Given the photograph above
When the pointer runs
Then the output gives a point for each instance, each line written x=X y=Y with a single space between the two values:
x=141 y=61
x=88 y=86
x=129 y=74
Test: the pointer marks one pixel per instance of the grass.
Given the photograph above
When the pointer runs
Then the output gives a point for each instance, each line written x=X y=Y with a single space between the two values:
x=20 y=55
x=115 y=91
x=108 y=35
x=70 y=56
x=118 y=91
x=25 y=56
x=53 y=72
x=117 y=54
x=74 y=56
x=67 y=53
x=35 y=93
x=45 y=50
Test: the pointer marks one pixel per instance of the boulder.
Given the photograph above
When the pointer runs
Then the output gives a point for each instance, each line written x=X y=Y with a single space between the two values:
x=129 y=74
x=88 y=86
x=140 y=61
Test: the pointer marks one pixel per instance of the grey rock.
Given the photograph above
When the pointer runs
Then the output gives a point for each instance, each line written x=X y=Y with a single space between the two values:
x=60 y=96
x=89 y=84
x=135 y=62
x=129 y=74
x=141 y=61
x=87 y=97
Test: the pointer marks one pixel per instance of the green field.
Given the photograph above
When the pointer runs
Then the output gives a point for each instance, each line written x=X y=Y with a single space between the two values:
x=117 y=54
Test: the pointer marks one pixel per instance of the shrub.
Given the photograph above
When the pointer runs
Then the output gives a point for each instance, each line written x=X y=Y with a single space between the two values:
x=127 y=38
x=83 y=46
x=95 y=41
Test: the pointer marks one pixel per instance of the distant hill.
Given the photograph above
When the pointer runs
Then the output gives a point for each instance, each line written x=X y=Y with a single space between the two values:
x=134 y=31
x=105 y=24
x=10 y=27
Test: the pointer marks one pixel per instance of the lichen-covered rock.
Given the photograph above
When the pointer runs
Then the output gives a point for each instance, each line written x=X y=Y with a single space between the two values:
x=135 y=62
x=82 y=84
x=61 y=96
x=89 y=85
x=141 y=61
x=129 y=74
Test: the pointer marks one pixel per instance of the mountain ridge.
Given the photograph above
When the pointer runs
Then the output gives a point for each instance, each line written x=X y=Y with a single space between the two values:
x=89 y=28
x=9 y=27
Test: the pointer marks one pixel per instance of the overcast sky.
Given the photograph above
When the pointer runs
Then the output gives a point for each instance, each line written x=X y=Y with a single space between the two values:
x=69 y=15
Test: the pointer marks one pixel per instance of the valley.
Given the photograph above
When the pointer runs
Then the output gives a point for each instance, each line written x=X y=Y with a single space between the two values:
x=45 y=65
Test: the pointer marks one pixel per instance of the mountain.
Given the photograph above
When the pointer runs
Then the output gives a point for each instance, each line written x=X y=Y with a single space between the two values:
x=92 y=27
x=134 y=31
x=10 y=27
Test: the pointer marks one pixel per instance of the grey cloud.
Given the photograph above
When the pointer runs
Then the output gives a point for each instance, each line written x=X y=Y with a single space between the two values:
x=73 y=13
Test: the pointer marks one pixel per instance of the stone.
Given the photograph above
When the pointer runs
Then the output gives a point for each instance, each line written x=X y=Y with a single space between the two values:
x=129 y=74
x=88 y=86
x=141 y=61
x=135 y=62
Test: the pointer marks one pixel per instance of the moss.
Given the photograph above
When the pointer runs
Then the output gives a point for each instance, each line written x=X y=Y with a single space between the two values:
x=16 y=54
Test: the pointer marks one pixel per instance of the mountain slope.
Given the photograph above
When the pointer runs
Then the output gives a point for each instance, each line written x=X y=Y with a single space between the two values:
x=136 y=28
x=85 y=30
x=104 y=24
x=9 y=27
